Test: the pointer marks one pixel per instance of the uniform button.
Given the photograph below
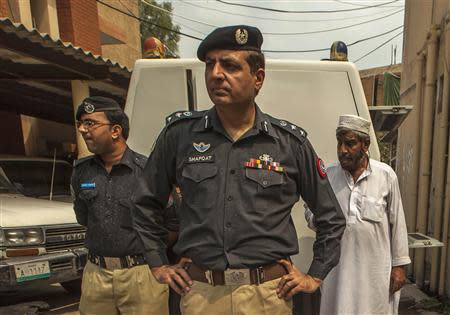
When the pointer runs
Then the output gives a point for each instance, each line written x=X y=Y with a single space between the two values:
x=230 y=198
x=108 y=197
x=265 y=182
x=232 y=172
x=228 y=225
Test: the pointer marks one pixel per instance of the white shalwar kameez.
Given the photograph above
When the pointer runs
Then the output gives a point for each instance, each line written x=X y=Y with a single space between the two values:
x=374 y=241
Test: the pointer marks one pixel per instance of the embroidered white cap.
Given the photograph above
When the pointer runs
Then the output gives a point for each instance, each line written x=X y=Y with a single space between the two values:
x=355 y=123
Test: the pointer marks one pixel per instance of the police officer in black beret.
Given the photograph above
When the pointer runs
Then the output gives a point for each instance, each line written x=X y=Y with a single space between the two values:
x=240 y=172
x=116 y=279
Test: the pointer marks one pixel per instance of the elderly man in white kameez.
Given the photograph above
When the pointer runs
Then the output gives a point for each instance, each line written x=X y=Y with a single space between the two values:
x=374 y=248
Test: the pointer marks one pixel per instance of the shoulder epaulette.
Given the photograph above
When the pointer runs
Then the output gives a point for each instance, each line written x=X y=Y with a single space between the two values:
x=140 y=159
x=295 y=130
x=82 y=160
x=182 y=115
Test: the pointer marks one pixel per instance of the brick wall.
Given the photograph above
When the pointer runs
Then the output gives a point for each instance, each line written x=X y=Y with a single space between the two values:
x=4 y=11
x=78 y=24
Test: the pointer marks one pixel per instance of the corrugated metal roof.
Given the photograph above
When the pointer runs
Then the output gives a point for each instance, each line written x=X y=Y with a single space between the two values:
x=9 y=27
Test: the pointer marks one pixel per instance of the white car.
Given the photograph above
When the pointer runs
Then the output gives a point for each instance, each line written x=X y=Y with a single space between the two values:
x=40 y=239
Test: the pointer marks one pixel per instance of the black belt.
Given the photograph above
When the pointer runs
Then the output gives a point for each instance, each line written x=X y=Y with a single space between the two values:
x=112 y=263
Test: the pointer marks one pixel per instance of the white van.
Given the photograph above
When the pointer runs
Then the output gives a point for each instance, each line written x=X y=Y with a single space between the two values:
x=310 y=94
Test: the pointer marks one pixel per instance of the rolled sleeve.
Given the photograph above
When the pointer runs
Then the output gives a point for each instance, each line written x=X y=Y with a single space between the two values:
x=329 y=220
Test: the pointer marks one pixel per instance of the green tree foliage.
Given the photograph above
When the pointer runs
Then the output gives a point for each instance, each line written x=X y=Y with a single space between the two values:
x=159 y=17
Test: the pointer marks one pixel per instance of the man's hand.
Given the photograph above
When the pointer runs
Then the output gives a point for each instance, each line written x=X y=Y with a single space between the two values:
x=175 y=276
x=295 y=281
x=398 y=279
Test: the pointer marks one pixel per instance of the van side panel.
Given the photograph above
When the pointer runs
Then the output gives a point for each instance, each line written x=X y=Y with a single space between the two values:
x=307 y=93
x=159 y=92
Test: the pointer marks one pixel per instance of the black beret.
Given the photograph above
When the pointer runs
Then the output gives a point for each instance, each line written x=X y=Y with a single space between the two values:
x=96 y=104
x=236 y=37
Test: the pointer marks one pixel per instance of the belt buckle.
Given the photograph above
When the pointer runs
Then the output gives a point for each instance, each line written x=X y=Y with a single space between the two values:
x=237 y=276
x=112 y=263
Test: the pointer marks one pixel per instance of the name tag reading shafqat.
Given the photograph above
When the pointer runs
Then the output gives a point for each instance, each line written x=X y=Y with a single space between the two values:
x=200 y=159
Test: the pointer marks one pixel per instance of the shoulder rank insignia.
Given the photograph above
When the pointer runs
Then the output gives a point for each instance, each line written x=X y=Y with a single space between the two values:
x=180 y=115
x=140 y=160
x=82 y=160
x=295 y=130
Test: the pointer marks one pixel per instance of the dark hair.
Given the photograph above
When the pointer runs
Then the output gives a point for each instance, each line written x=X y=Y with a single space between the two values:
x=118 y=117
x=365 y=138
x=255 y=60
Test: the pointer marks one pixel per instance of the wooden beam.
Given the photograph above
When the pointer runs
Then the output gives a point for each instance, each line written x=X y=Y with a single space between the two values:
x=47 y=72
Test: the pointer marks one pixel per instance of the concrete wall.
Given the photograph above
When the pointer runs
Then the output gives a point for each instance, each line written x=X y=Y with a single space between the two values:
x=10 y=127
x=123 y=28
x=420 y=16
x=41 y=136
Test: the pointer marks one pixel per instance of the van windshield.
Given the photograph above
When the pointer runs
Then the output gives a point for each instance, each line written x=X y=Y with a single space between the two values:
x=5 y=186
x=33 y=178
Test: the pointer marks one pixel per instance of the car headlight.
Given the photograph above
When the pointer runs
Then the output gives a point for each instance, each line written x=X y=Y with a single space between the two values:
x=23 y=236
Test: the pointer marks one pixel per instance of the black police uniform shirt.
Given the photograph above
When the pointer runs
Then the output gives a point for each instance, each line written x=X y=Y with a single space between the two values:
x=235 y=213
x=102 y=203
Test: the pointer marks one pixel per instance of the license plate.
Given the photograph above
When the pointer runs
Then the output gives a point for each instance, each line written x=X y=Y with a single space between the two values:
x=32 y=271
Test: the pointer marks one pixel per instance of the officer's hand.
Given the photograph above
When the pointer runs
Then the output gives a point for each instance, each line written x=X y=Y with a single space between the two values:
x=175 y=276
x=398 y=279
x=295 y=281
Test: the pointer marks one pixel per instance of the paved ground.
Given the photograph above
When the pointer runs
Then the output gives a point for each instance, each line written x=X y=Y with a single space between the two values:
x=27 y=301
x=55 y=300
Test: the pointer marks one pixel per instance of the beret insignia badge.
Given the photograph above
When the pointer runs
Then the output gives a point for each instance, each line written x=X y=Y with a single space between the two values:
x=89 y=108
x=241 y=36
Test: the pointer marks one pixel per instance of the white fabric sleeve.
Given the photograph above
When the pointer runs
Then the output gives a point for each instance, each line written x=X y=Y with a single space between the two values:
x=309 y=217
x=399 y=233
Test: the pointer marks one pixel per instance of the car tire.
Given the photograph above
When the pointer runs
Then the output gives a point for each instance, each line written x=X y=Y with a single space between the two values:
x=72 y=286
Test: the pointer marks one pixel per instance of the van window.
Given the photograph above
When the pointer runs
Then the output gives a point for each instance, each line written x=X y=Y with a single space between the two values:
x=33 y=178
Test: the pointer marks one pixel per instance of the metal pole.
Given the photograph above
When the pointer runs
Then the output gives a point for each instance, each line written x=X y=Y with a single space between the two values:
x=445 y=220
x=425 y=148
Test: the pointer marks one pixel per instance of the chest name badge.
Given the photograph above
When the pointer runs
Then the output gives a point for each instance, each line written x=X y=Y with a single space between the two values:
x=200 y=159
x=87 y=185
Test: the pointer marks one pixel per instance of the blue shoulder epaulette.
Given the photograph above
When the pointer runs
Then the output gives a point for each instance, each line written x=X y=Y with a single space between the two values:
x=82 y=160
x=295 y=130
x=140 y=160
x=182 y=115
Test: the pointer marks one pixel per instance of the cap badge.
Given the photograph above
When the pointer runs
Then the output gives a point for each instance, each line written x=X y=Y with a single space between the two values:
x=241 y=36
x=89 y=108
x=201 y=147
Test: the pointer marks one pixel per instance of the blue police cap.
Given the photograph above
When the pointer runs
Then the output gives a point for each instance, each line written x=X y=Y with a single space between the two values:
x=94 y=104
x=236 y=37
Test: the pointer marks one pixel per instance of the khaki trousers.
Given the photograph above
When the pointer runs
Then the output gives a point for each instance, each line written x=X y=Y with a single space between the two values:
x=205 y=299
x=129 y=291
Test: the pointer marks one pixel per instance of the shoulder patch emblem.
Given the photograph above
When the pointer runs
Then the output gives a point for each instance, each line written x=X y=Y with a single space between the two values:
x=321 y=168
